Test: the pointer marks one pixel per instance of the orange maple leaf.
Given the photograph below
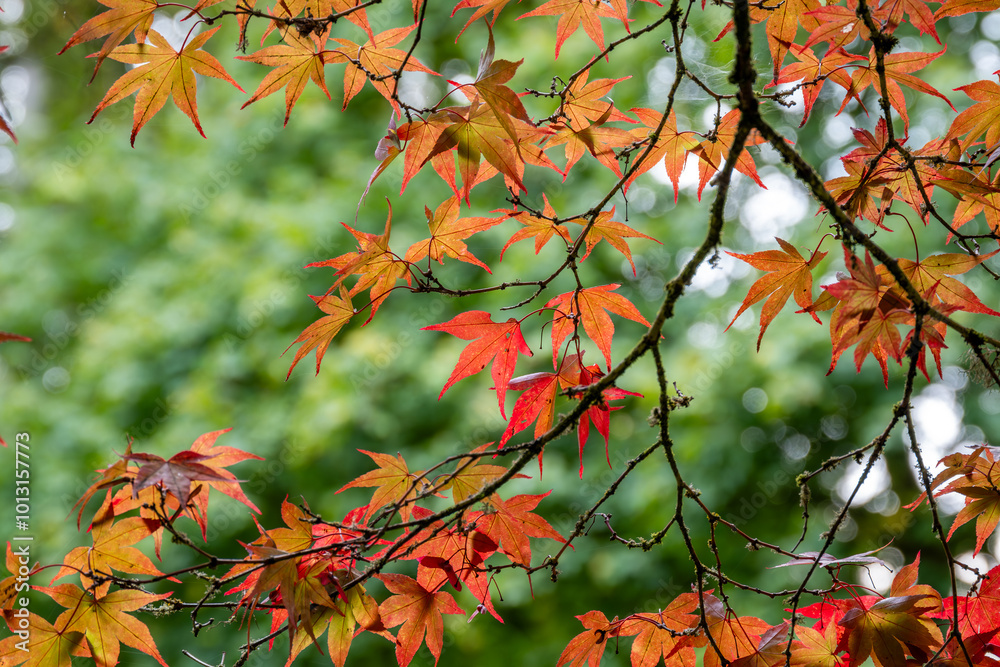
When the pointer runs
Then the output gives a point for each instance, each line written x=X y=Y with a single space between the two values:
x=789 y=275
x=47 y=645
x=541 y=228
x=572 y=13
x=715 y=150
x=670 y=149
x=377 y=62
x=587 y=306
x=111 y=550
x=104 y=622
x=448 y=233
x=897 y=71
x=318 y=335
x=587 y=648
x=419 y=612
x=162 y=72
x=396 y=485
x=297 y=60
x=122 y=18
x=657 y=634
x=607 y=229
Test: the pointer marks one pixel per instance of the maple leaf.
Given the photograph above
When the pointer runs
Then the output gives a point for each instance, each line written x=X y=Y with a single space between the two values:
x=897 y=71
x=933 y=272
x=535 y=405
x=175 y=475
x=162 y=72
x=295 y=61
x=447 y=234
x=656 y=634
x=377 y=62
x=889 y=630
x=396 y=484
x=496 y=343
x=816 y=71
x=483 y=7
x=509 y=523
x=470 y=476
x=454 y=555
x=47 y=645
x=421 y=137
x=357 y=608
x=104 y=620
x=583 y=101
x=376 y=265
x=541 y=228
x=116 y=473
x=982 y=119
x=919 y=14
x=782 y=22
x=671 y=147
x=587 y=306
x=111 y=551
x=838 y=26
x=715 y=150
x=122 y=18
x=978 y=613
x=868 y=311
x=788 y=275
x=587 y=648
x=612 y=231
x=318 y=335
x=474 y=133
x=735 y=637
x=489 y=86
x=419 y=612
x=977 y=479
x=595 y=138
x=816 y=649
x=221 y=458
x=600 y=412
x=962 y=7
x=572 y=13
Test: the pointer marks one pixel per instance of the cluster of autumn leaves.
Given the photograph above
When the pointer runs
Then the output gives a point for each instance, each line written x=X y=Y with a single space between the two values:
x=314 y=577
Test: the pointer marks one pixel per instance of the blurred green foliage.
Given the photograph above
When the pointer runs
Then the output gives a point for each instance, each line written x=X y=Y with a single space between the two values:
x=161 y=284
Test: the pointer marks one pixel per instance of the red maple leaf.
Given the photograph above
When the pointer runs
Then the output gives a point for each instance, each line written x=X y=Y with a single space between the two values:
x=496 y=343
x=509 y=523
